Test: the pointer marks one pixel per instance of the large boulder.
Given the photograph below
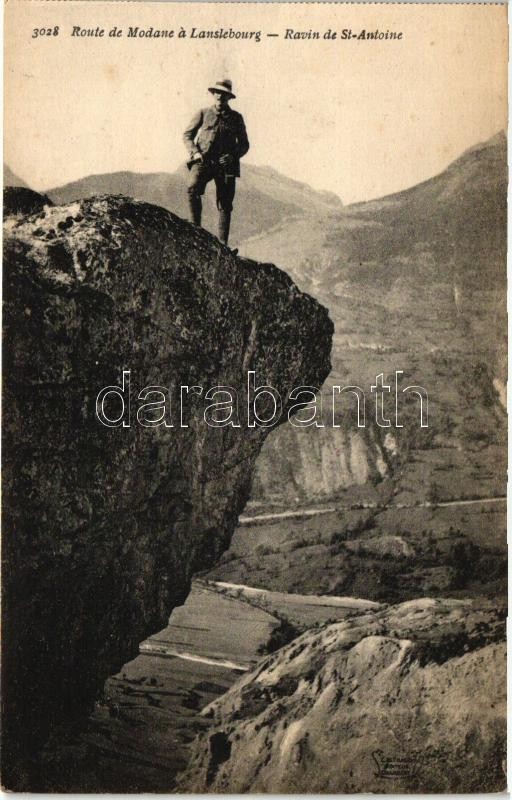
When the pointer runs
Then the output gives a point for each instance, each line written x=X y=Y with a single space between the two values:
x=104 y=526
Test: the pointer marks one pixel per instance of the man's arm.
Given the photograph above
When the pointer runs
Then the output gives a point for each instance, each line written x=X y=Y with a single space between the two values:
x=243 y=141
x=191 y=132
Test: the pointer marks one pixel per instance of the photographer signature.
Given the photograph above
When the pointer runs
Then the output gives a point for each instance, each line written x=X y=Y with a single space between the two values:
x=392 y=767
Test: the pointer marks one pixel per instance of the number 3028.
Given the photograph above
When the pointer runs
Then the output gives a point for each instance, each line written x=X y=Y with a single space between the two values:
x=45 y=32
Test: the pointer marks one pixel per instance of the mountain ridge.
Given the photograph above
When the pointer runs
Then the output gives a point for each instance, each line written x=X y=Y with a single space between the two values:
x=256 y=206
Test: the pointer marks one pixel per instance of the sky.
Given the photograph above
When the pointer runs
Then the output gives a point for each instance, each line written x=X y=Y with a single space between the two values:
x=359 y=118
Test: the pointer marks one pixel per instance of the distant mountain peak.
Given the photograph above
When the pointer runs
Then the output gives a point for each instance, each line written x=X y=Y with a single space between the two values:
x=11 y=179
x=498 y=140
x=295 y=189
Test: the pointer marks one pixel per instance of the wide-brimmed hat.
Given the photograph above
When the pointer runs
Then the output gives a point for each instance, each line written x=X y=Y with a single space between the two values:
x=225 y=86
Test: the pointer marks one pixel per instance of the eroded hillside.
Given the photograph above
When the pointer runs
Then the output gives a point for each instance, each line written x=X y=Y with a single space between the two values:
x=415 y=282
x=383 y=701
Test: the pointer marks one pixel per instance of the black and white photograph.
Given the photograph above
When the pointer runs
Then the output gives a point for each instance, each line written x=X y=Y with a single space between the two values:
x=254 y=398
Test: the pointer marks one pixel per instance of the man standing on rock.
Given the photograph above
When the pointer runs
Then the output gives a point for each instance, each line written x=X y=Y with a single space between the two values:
x=215 y=154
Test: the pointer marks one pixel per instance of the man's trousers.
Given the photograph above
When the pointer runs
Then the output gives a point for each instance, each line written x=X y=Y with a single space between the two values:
x=200 y=175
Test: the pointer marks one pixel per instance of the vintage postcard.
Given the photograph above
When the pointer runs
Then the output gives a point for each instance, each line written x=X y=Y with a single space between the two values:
x=254 y=397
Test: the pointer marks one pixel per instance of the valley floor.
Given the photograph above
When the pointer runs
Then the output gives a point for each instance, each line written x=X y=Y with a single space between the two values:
x=430 y=581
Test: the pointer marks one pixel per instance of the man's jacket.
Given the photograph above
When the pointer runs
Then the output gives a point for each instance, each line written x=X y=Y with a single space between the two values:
x=218 y=133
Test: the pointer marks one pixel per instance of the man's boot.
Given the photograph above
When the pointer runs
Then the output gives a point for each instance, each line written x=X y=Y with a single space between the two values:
x=195 y=206
x=224 y=220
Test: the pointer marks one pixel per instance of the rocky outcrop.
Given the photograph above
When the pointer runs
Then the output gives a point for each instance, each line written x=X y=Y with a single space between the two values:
x=104 y=526
x=409 y=698
x=318 y=463
x=22 y=200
